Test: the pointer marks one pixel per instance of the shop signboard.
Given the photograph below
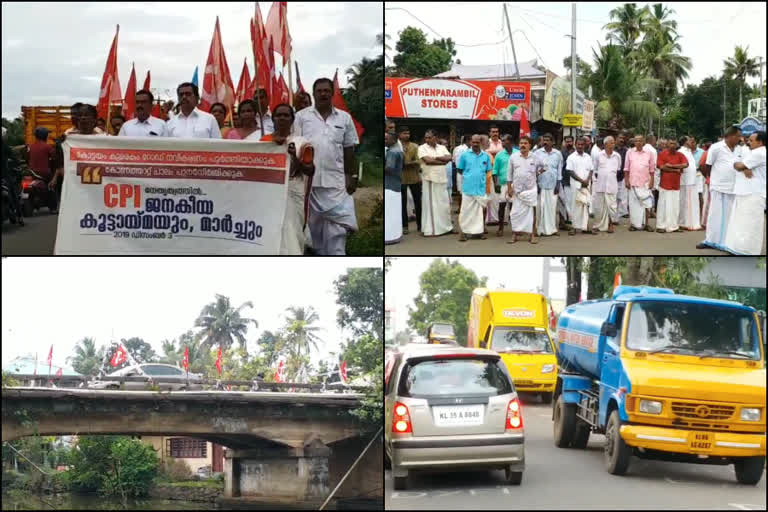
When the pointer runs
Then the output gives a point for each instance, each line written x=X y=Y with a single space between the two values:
x=588 y=119
x=572 y=119
x=557 y=100
x=441 y=98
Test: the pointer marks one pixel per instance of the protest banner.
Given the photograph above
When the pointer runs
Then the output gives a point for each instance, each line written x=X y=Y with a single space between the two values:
x=131 y=195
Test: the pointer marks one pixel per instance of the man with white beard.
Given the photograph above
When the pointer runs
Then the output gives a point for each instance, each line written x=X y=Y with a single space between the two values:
x=549 y=165
x=521 y=188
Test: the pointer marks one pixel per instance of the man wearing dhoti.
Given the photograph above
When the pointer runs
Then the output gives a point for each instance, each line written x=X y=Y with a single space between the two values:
x=606 y=186
x=474 y=165
x=579 y=167
x=521 y=188
x=671 y=163
x=689 y=190
x=722 y=177
x=549 y=165
x=565 y=197
x=622 y=201
x=435 y=207
x=639 y=167
x=393 y=170
x=495 y=146
x=747 y=223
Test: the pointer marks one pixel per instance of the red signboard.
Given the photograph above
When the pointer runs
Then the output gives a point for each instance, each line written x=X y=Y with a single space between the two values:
x=441 y=98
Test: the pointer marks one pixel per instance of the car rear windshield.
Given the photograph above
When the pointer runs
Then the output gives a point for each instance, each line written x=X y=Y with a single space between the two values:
x=514 y=339
x=446 y=377
x=442 y=330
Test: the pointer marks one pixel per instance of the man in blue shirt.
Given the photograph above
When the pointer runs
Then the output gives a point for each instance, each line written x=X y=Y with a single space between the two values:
x=393 y=170
x=500 y=166
x=549 y=169
x=474 y=166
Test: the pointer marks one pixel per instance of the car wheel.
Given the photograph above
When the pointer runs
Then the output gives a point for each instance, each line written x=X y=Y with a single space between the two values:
x=546 y=398
x=513 y=477
x=580 y=435
x=401 y=483
x=749 y=470
x=617 y=453
x=564 y=423
x=113 y=387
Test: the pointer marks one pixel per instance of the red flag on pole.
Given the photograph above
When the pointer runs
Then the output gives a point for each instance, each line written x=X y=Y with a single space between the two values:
x=616 y=280
x=261 y=58
x=343 y=371
x=110 y=82
x=129 y=105
x=218 y=361
x=185 y=363
x=146 y=82
x=217 y=81
x=244 y=84
x=279 y=372
x=277 y=28
x=299 y=85
x=279 y=92
x=119 y=357
x=50 y=359
x=525 y=128
x=339 y=103
x=59 y=372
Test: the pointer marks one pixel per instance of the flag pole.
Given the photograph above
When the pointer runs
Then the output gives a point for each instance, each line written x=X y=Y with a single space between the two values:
x=290 y=81
x=111 y=84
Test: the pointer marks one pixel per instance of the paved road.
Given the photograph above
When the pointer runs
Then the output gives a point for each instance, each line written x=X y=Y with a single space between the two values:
x=621 y=242
x=557 y=478
x=36 y=237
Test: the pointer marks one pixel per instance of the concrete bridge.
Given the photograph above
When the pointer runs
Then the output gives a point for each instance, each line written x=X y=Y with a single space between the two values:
x=293 y=446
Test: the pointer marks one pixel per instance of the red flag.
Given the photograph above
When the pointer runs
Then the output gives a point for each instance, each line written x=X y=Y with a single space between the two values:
x=50 y=359
x=299 y=85
x=279 y=372
x=119 y=357
x=343 y=371
x=185 y=363
x=272 y=69
x=146 y=82
x=243 y=85
x=157 y=111
x=280 y=92
x=218 y=361
x=217 y=81
x=552 y=318
x=59 y=372
x=525 y=128
x=129 y=105
x=277 y=28
x=339 y=103
x=110 y=82
x=260 y=44
x=616 y=280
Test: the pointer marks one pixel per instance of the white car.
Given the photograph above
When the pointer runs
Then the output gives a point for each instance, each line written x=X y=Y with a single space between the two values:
x=151 y=370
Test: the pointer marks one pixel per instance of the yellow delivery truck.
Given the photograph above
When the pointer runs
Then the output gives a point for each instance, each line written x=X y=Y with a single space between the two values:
x=514 y=324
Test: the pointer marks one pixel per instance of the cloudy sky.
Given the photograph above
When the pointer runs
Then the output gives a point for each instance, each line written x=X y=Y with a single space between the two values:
x=709 y=31
x=401 y=284
x=60 y=301
x=54 y=53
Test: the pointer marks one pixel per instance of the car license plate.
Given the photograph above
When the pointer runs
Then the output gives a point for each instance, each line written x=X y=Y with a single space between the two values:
x=458 y=415
x=700 y=441
x=519 y=382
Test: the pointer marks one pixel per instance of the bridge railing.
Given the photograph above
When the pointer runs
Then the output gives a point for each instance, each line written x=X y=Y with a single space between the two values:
x=255 y=384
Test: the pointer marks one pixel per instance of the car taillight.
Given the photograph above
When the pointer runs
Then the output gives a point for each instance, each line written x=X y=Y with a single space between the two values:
x=25 y=183
x=514 y=415
x=401 y=420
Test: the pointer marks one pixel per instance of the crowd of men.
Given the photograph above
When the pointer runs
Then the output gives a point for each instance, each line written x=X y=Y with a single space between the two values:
x=581 y=187
x=319 y=138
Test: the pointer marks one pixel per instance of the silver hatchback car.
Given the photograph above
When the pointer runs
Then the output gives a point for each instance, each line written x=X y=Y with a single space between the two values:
x=449 y=407
x=151 y=370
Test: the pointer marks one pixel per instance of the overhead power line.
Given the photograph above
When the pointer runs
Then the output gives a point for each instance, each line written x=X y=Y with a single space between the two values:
x=441 y=36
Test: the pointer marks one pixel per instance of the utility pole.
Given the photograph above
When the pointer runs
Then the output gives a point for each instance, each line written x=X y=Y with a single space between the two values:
x=512 y=42
x=574 y=65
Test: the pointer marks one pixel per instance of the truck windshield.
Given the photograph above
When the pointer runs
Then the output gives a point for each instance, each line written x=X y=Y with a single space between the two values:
x=517 y=339
x=442 y=330
x=693 y=329
x=454 y=377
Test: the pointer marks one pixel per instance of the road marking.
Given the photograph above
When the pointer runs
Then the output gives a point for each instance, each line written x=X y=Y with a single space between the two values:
x=746 y=506
x=670 y=480
x=409 y=495
x=445 y=493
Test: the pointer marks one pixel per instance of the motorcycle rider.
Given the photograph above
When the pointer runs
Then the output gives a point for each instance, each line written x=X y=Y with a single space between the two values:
x=10 y=179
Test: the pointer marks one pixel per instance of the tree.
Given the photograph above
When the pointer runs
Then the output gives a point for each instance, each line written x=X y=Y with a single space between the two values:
x=583 y=72
x=741 y=66
x=701 y=108
x=140 y=350
x=87 y=359
x=363 y=96
x=271 y=346
x=200 y=360
x=361 y=296
x=445 y=292
x=15 y=131
x=300 y=336
x=418 y=58
x=627 y=27
x=221 y=324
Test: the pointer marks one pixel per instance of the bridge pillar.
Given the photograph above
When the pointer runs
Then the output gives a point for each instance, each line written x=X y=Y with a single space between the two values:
x=278 y=472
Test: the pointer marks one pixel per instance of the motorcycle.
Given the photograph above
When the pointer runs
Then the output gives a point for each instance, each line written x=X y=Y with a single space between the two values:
x=11 y=199
x=36 y=194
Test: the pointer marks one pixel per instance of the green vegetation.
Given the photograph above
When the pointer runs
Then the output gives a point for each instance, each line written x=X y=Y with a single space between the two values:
x=212 y=483
x=445 y=291
x=222 y=325
x=87 y=359
x=418 y=58
x=370 y=237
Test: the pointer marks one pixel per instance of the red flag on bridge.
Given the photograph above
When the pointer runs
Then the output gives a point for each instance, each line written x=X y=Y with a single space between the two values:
x=339 y=103
x=343 y=371
x=279 y=373
x=186 y=358
x=110 y=82
x=50 y=359
x=119 y=357
x=218 y=361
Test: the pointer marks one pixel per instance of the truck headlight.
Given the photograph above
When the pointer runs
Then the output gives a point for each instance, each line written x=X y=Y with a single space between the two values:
x=650 y=406
x=547 y=368
x=750 y=414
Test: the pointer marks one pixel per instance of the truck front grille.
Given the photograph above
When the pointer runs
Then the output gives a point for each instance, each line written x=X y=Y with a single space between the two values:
x=702 y=411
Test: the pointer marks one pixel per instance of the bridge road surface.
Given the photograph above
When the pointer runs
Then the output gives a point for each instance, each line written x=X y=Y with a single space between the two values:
x=558 y=478
x=36 y=238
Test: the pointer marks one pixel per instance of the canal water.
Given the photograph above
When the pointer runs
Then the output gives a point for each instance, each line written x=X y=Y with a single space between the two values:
x=16 y=500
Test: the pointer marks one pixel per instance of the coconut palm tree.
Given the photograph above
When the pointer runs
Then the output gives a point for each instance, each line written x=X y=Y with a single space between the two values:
x=658 y=22
x=87 y=360
x=741 y=66
x=300 y=336
x=221 y=324
x=627 y=27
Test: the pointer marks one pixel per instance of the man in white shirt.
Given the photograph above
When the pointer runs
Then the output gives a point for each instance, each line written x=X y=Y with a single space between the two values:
x=581 y=167
x=747 y=223
x=263 y=115
x=191 y=121
x=722 y=176
x=333 y=136
x=435 y=207
x=606 y=186
x=144 y=125
x=689 y=191
x=651 y=146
